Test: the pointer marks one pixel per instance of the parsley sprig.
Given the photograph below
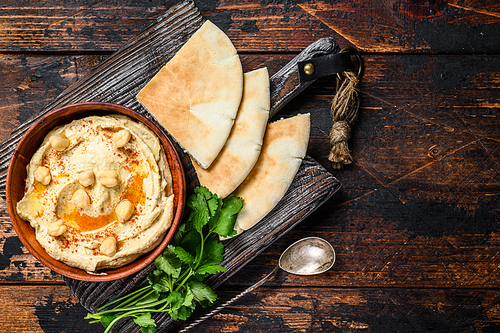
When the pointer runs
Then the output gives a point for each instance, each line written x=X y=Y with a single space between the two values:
x=176 y=285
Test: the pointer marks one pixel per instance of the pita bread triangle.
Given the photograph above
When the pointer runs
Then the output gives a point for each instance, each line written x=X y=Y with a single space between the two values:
x=196 y=95
x=284 y=146
x=242 y=148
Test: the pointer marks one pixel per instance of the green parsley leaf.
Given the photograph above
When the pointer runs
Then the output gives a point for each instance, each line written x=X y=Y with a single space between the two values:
x=168 y=262
x=188 y=295
x=188 y=305
x=148 y=329
x=183 y=313
x=153 y=297
x=145 y=320
x=200 y=213
x=181 y=231
x=191 y=242
x=203 y=294
x=107 y=319
x=223 y=221
x=213 y=252
x=199 y=277
x=184 y=256
x=210 y=269
x=175 y=300
x=213 y=202
x=159 y=280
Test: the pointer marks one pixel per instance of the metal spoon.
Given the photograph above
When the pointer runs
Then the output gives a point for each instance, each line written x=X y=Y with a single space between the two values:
x=308 y=256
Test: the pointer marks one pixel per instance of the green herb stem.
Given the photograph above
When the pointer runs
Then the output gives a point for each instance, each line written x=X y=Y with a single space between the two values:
x=140 y=299
x=129 y=314
x=133 y=300
x=199 y=256
x=124 y=297
x=126 y=314
x=142 y=306
x=191 y=272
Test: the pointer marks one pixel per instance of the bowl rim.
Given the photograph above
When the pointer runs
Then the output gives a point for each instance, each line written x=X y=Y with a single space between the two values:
x=147 y=258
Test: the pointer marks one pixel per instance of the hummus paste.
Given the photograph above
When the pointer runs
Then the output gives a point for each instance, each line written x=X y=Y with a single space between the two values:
x=98 y=192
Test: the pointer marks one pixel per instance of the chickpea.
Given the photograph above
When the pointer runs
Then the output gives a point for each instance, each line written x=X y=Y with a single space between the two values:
x=108 y=247
x=86 y=178
x=80 y=198
x=42 y=175
x=121 y=138
x=124 y=210
x=57 y=228
x=58 y=142
x=109 y=178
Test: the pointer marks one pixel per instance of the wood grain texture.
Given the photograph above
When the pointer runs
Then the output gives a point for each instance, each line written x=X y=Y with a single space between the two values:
x=268 y=309
x=426 y=198
x=16 y=263
x=359 y=310
x=260 y=26
x=422 y=188
x=41 y=309
x=416 y=223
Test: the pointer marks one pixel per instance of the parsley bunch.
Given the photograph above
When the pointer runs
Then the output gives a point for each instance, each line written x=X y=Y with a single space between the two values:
x=177 y=282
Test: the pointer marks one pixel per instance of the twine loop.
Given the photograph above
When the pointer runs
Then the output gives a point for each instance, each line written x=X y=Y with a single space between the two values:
x=345 y=106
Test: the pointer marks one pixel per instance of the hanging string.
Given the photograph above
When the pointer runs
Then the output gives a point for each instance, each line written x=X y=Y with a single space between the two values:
x=345 y=107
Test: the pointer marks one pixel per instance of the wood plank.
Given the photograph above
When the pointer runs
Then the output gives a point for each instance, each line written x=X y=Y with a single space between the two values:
x=42 y=309
x=256 y=26
x=16 y=263
x=418 y=86
x=361 y=309
x=29 y=82
x=419 y=207
x=54 y=309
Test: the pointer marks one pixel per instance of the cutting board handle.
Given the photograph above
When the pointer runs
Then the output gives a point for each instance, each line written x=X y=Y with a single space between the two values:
x=285 y=84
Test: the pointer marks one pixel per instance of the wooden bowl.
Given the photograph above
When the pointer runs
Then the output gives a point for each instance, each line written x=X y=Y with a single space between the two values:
x=16 y=177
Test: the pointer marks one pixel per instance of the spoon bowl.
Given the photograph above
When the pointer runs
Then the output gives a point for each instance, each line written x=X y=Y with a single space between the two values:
x=308 y=256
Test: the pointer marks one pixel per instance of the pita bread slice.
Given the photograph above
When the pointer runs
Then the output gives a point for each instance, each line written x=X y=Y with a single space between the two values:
x=196 y=95
x=284 y=147
x=242 y=148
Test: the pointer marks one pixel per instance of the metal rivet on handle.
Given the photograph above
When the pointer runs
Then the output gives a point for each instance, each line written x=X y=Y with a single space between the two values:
x=309 y=69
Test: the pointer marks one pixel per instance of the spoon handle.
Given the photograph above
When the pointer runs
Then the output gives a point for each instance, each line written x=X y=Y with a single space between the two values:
x=231 y=301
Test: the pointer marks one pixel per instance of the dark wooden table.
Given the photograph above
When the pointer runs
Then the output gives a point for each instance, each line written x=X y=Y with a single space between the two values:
x=416 y=224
